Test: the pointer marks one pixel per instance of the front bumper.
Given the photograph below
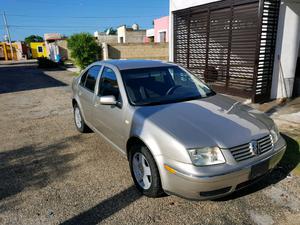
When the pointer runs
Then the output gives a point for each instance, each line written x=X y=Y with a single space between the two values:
x=201 y=183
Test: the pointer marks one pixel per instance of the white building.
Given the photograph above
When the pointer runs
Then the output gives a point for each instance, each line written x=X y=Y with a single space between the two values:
x=131 y=35
x=150 y=35
x=235 y=50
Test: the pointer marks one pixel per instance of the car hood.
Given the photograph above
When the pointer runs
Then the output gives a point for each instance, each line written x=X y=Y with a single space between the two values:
x=213 y=121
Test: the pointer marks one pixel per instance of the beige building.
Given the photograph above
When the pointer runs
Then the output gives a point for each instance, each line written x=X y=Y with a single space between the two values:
x=131 y=35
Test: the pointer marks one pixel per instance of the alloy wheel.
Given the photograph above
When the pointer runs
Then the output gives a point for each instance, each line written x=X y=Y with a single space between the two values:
x=78 y=119
x=141 y=170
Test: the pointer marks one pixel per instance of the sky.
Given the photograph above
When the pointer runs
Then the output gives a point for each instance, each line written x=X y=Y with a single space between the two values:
x=26 y=17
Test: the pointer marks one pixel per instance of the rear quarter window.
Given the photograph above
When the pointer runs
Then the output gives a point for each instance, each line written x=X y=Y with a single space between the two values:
x=83 y=78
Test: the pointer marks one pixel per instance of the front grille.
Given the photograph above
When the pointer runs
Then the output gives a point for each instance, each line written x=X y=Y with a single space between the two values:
x=243 y=152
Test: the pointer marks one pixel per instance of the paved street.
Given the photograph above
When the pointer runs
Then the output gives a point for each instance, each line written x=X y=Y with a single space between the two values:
x=51 y=174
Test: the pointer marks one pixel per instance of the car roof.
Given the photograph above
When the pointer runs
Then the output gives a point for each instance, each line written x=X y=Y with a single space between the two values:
x=126 y=64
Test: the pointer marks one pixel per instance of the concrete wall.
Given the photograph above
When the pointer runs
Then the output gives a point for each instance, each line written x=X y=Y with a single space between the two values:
x=287 y=49
x=136 y=36
x=138 y=51
x=107 y=39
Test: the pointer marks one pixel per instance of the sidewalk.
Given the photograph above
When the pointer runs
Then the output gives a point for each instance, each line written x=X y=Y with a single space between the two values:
x=71 y=67
x=17 y=62
x=287 y=114
x=287 y=118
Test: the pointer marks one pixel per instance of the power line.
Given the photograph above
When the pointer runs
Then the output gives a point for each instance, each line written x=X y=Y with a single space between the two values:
x=85 y=17
x=82 y=3
x=54 y=26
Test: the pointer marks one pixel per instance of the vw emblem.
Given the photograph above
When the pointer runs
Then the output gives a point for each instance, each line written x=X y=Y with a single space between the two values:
x=254 y=147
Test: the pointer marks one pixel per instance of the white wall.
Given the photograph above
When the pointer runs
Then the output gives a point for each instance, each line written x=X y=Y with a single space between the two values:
x=182 y=4
x=287 y=49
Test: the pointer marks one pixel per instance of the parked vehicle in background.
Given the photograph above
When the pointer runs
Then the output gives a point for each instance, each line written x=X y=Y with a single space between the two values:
x=179 y=136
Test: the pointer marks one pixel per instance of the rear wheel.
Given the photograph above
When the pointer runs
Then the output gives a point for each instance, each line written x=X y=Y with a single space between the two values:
x=79 y=122
x=145 y=172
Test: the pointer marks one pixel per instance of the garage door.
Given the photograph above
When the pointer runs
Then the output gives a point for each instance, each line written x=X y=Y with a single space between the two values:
x=229 y=44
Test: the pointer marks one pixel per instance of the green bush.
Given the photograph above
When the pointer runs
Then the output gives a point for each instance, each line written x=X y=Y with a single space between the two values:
x=84 y=49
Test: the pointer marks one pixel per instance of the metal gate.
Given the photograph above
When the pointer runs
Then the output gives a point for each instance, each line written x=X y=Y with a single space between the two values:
x=230 y=44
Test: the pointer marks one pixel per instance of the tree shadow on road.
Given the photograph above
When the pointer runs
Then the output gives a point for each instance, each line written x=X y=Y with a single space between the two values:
x=25 y=77
x=105 y=208
x=288 y=163
x=33 y=166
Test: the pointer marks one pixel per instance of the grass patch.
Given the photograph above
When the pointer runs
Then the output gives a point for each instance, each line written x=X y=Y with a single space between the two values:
x=291 y=158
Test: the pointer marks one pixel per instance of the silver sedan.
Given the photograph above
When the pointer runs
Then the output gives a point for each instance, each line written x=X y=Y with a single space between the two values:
x=179 y=136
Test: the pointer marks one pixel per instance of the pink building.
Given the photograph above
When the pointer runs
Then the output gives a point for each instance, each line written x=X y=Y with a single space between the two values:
x=160 y=32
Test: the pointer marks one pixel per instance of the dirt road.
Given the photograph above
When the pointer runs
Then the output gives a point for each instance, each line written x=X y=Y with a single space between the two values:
x=51 y=174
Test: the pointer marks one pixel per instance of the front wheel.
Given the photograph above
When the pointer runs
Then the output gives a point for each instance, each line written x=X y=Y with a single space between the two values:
x=79 y=122
x=145 y=172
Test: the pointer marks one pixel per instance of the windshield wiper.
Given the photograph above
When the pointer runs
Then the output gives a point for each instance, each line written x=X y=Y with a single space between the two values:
x=169 y=101
x=188 y=99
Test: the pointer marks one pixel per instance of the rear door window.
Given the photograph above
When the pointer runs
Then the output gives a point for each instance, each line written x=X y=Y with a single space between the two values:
x=91 y=78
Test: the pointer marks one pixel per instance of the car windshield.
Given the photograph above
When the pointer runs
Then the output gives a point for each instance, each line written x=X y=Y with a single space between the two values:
x=162 y=85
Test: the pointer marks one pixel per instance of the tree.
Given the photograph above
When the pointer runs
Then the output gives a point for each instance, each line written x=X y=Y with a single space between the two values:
x=33 y=38
x=110 y=31
x=84 y=49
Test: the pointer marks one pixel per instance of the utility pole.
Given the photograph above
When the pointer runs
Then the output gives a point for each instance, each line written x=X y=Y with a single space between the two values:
x=8 y=35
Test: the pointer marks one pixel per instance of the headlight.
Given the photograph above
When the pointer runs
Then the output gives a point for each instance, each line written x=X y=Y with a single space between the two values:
x=206 y=156
x=274 y=134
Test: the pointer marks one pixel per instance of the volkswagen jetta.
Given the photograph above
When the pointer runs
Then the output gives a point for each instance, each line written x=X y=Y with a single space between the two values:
x=180 y=137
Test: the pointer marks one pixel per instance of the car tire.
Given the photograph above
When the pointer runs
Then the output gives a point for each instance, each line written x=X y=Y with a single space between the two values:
x=154 y=189
x=79 y=121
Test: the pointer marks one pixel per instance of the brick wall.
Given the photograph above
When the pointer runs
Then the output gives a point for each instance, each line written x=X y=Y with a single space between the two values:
x=158 y=51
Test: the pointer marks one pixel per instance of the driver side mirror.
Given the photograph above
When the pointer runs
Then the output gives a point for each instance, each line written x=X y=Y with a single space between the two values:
x=108 y=100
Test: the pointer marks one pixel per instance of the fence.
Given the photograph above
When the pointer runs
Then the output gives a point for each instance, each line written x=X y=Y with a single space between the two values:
x=158 y=51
